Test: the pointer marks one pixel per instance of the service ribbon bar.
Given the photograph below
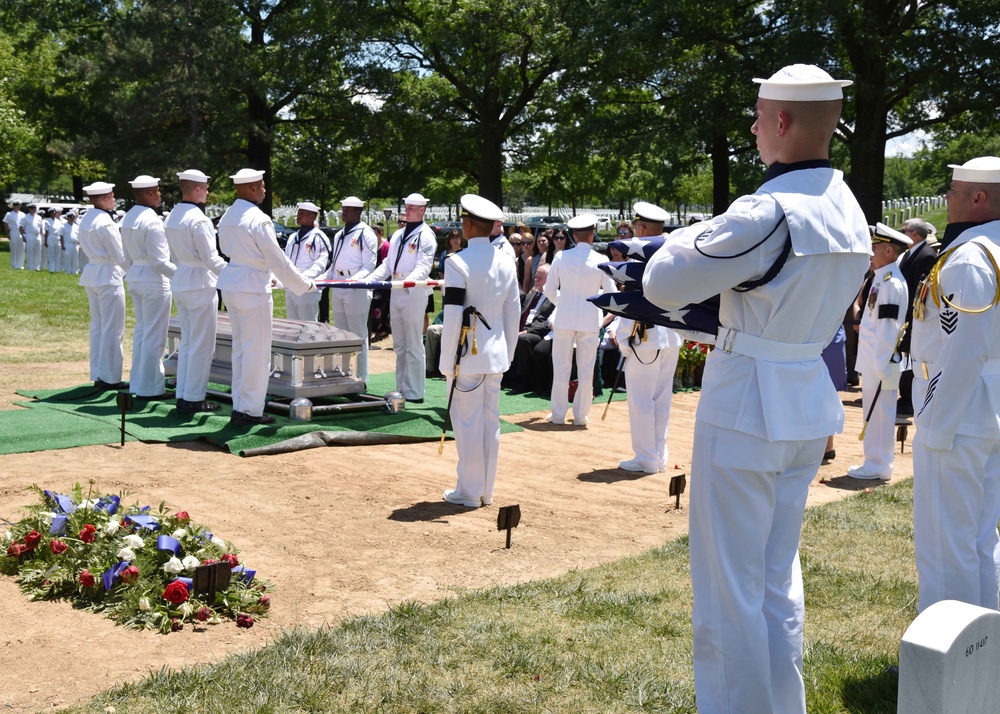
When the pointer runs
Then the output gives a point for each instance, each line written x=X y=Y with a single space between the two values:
x=379 y=284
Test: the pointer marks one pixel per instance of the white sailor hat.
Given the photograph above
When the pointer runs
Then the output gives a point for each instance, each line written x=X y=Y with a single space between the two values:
x=247 y=176
x=480 y=208
x=583 y=222
x=193 y=175
x=881 y=233
x=650 y=212
x=985 y=169
x=144 y=181
x=98 y=188
x=307 y=206
x=352 y=202
x=415 y=199
x=801 y=83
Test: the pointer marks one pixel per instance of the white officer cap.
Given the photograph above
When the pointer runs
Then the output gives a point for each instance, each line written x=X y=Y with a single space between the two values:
x=353 y=202
x=881 y=233
x=193 y=175
x=144 y=181
x=480 y=208
x=802 y=83
x=584 y=221
x=307 y=206
x=650 y=212
x=415 y=199
x=247 y=176
x=985 y=169
x=98 y=188
x=119 y=213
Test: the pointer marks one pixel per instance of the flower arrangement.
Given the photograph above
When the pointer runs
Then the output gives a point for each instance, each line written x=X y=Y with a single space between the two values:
x=690 y=364
x=135 y=566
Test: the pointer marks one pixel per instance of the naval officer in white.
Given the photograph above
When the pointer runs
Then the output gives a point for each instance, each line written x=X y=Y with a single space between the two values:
x=13 y=222
x=484 y=278
x=787 y=261
x=956 y=395
x=246 y=235
x=309 y=251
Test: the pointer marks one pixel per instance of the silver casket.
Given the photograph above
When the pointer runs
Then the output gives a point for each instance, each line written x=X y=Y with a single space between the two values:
x=308 y=359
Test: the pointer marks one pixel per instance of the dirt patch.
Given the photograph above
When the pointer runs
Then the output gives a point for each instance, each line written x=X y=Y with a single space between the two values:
x=346 y=531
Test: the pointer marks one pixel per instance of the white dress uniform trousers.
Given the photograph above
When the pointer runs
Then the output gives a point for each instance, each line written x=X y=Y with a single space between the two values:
x=956 y=451
x=54 y=256
x=13 y=221
x=488 y=278
x=354 y=251
x=411 y=255
x=309 y=252
x=573 y=277
x=767 y=406
x=103 y=278
x=246 y=235
x=70 y=235
x=191 y=238
x=31 y=225
x=148 y=280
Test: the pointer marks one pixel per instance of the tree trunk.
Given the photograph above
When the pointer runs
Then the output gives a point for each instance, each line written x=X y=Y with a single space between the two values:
x=259 y=143
x=491 y=165
x=720 y=172
x=868 y=141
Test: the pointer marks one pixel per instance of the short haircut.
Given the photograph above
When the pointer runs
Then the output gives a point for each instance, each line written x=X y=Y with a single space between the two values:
x=918 y=226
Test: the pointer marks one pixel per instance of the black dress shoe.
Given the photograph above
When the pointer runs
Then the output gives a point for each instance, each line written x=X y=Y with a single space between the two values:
x=829 y=455
x=241 y=419
x=188 y=407
x=107 y=386
x=161 y=397
x=416 y=401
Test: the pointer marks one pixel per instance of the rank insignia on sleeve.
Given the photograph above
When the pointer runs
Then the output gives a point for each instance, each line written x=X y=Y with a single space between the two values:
x=949 y=317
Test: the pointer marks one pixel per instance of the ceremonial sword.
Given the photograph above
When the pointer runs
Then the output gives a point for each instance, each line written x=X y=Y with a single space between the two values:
x=878 y=390
x=469 y=317
x=621 y=368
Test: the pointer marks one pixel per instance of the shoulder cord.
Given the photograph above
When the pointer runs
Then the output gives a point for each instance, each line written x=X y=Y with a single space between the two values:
x=934 y=282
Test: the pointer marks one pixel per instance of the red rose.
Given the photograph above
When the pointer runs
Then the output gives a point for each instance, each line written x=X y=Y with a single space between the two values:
x=182 y=516
x=176 y=593
x=87 y=534
x=210 y=561
x=244 y=621
x=231 y=559
x=57 y=546
x=86 y=579
x=130 y=575
x=176 y=625
x=203 y=613
x=16 y=549
x=265 y=601
x=32 y=539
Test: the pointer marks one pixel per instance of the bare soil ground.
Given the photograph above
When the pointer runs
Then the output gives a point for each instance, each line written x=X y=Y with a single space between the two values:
x=347 y=531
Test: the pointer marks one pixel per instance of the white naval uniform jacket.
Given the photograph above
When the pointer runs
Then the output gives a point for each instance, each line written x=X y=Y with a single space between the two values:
x=13 y=221
x=960 y=391
x=191 y=238
x=803 y=304
x=574 y=277
x=70 y=234
x=409 y=260
x=102 y=244
x=883 y=312
x=32 y=226
x=309 y=253
x=145 y=245
x=354 y=254
x=489 y=278
x=246 y=235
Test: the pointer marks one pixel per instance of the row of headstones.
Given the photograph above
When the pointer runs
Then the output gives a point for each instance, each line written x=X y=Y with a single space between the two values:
x=899 y=210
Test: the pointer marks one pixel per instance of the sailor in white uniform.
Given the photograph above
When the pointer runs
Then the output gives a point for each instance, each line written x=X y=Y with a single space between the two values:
x=787 y=261
x=148 y=280
x=354 y=255
x=878 y=361
x=69 y=237
x=31 y=233
x=13 y=222
x=573 y=277
x=191 y=238
x=650 y=353
x=483 y=279
x=956 y=396
x=411 y=255
x=309 y=251
x=246 y=235
x=103 y=277
x=50 y=239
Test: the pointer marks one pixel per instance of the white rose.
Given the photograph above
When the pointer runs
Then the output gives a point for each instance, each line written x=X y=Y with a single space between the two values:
x=219 y=542
x=190 y=562
x=173 y=566
x=126 y=554
x=48 y=518
x=85 y=504
x=133 y=541
x=179 y=533
x=144 y=604
x=247 y=597
x=186 y=609
x=111 y=527
x=8 y=535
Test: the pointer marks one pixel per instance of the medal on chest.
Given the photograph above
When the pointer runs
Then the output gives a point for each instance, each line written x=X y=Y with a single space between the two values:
x=872 y=298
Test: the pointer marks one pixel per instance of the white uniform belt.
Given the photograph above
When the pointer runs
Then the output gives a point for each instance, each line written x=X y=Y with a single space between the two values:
x=194 y=266
x=101 y=261
x=346 y=273
x=141 y=262
x=734 y=342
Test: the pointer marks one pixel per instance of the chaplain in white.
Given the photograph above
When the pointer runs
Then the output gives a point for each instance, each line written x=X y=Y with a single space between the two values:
x=191 y=237
x=410 y=257
x=956 y=395
x=484 y=278
x=148 y=280
x=246 y=235
x=13 y=222
x=354 y=254
x=69 y=237
x=650 y=353
x=573 y=277
x=103 y=277
x=786 y=261
x=883 y=314
x=309 y=251
x=31 y=234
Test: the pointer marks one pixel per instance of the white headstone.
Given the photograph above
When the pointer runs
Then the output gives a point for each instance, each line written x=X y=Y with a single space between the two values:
x=949 y=661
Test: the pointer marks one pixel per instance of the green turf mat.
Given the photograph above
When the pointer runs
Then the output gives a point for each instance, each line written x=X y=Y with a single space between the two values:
x=24 y=430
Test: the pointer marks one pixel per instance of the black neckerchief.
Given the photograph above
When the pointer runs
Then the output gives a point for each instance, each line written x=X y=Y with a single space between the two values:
x=348 y=227
x=954 y=230
x=403 y=240
x=297 y=242
x=776 y=170
x=198 y=205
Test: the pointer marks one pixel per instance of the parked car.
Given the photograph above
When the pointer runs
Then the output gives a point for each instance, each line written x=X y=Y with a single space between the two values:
x=442 y=228
x=543 y=222
x=282 y=233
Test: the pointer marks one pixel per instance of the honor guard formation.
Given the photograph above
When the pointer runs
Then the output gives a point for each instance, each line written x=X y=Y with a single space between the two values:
x=770 y=279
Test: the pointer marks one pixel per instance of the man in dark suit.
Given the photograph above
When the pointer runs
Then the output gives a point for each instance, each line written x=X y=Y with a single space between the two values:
x=534 y=327
x=914 y=265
